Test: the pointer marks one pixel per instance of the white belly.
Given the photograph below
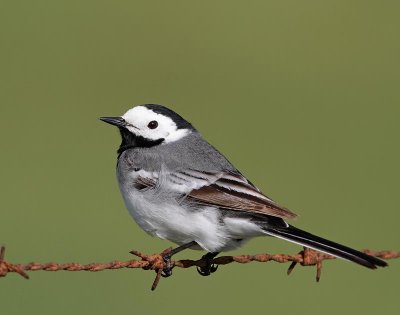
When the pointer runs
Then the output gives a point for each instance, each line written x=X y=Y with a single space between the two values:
x=160 y=214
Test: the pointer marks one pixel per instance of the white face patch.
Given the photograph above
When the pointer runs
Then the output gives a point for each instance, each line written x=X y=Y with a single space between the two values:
x=139 y=117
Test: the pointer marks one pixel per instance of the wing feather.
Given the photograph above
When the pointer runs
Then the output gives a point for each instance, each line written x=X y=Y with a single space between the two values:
x=226 y=190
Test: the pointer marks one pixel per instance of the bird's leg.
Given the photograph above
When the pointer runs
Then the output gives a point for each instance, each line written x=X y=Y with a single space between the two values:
x=167 y=271
x=210 y=267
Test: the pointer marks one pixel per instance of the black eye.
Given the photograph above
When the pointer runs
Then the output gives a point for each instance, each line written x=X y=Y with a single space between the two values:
x=153 y=124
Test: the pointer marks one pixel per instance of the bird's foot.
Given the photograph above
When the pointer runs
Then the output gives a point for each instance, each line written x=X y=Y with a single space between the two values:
x=168 y=266
x=209 y=268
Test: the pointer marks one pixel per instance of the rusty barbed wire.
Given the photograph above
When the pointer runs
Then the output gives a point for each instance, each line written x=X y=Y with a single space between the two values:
x=307 y=257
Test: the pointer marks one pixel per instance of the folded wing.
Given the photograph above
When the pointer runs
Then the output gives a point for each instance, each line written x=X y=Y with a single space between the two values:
x=225 y=190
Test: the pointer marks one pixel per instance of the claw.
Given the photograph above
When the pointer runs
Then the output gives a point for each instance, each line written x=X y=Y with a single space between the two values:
x=209 y=268
x=206 y=271
x=213 y=268
x=203 y=272
x=166 y=273
x=167 y=270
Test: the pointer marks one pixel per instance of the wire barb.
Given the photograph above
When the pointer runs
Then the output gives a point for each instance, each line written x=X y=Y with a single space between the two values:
x=156 y=262
x=8 y=267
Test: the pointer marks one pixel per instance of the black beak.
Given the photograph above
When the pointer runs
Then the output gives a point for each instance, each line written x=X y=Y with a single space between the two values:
x=116 y=121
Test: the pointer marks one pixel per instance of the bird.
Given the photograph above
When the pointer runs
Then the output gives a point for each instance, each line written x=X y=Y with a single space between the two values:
x=179 y=187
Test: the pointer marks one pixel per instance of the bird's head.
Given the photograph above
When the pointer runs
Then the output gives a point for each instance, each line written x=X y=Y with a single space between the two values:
x=149 y=125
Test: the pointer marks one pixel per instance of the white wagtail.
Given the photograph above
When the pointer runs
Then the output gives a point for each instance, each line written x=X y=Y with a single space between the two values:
x=178 y=187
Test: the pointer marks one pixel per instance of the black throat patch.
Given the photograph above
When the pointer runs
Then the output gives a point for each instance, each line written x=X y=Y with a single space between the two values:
x=130 y=141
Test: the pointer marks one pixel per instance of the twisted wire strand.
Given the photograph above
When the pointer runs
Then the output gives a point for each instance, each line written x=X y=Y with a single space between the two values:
x=306 y=257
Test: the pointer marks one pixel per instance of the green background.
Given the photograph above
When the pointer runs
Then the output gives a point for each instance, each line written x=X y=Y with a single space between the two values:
x=302 y=96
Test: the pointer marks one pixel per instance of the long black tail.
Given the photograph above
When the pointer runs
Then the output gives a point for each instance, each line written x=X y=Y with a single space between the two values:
x=295 y=235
